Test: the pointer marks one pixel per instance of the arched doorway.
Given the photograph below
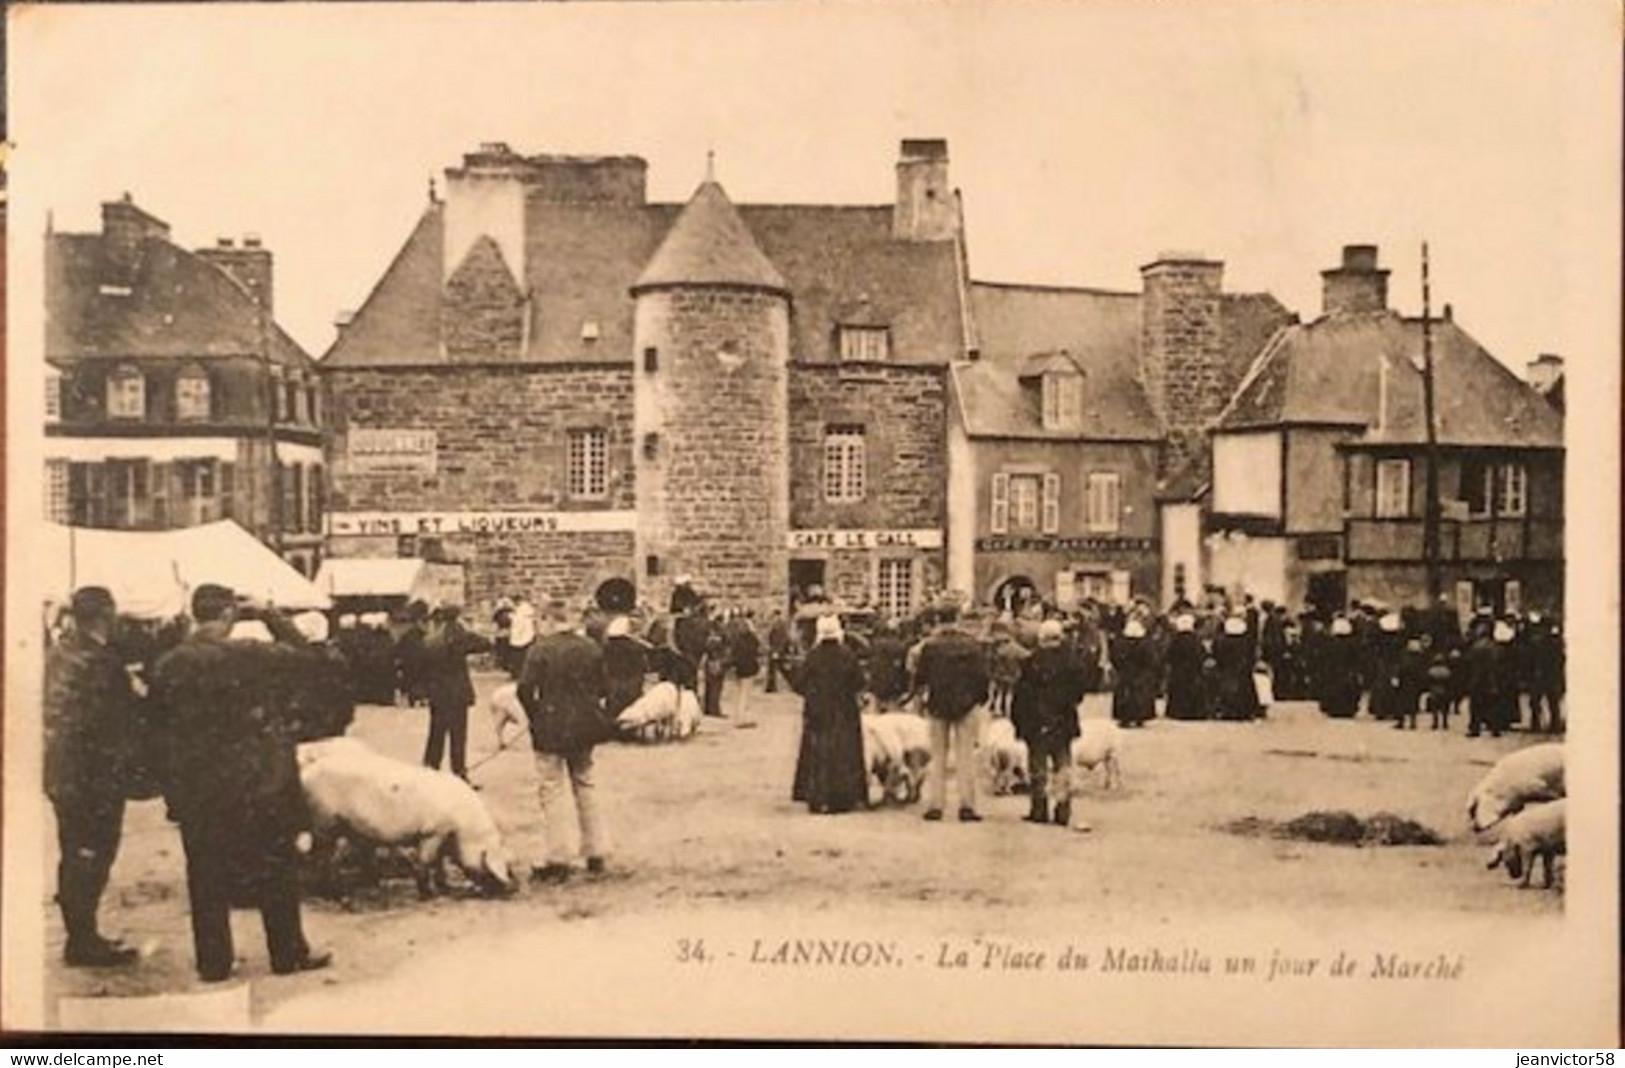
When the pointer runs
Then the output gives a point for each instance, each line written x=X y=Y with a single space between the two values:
x=1014 y=594
x=616 y=595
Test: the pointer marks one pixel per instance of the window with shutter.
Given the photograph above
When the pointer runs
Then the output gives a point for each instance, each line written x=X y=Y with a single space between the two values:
x=1512 y=490
x=1103 y=502
x=1393 y=489
x=1001 y=503
x=1051 y=523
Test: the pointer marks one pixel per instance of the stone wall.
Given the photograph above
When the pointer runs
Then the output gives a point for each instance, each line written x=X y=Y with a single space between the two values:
x=712 y=421
x=482 y=314
x=1182 y=350
x=904 y=414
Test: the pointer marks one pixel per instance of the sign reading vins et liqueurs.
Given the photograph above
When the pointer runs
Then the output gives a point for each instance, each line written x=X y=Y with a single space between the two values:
x=435 y=524
x=1052 y=544
x=865 y=539
x=383 y=451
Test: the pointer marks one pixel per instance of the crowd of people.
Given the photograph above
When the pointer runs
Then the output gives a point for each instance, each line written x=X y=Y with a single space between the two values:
x=207 y=712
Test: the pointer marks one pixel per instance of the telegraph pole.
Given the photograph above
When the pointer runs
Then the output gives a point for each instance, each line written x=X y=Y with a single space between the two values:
x=270 y=426
x=1430 y=506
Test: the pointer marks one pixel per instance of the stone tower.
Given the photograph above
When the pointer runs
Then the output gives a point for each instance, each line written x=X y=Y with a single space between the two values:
x=711 y=337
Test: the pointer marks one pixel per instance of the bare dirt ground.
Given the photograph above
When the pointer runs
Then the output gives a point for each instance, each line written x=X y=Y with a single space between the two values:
x=707 y=825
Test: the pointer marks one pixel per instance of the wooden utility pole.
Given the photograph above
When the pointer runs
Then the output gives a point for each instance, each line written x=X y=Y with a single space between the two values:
x=1430 y=505
x=272 y=398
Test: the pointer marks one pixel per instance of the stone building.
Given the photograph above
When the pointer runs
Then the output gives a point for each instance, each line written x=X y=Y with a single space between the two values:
x=172 y=397
x=1067 y=424
x=577 y=393
x=1320 y=463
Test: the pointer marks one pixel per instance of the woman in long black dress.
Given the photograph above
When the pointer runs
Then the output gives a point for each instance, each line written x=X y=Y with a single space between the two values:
x=1338 y=678
x=1185 y=654
x=1134 y=698
x=1233 y=652
x=830 y=775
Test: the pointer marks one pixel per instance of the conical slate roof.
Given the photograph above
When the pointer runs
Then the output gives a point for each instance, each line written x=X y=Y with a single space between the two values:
x=709 y=244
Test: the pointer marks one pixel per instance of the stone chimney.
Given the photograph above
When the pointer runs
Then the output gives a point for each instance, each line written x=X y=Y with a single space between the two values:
x=249 y=263
x=1545 y=371
x=1359 y=285
x=486 y=197
x=1182 y=348
x=925 y=208
x=124 y=228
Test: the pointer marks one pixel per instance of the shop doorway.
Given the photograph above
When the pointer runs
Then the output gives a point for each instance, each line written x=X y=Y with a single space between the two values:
x=1014 y=594
x=806 y=582
x=1328 y=592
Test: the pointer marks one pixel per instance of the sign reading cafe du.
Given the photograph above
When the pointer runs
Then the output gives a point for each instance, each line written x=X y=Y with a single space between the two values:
x=378 y=451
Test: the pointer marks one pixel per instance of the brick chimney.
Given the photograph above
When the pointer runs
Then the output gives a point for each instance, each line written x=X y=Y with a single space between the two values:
x=1182 y=347
x=926 y=208
x=1359 y=285
x=1545 y=371
x=124 y=228
x=249 y=264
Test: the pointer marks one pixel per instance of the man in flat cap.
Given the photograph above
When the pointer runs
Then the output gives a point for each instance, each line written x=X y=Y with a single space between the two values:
x=90 y=725
x=232 y=781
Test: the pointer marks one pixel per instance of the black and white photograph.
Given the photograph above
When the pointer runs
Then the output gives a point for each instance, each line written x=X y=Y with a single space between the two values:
x=1083 y=522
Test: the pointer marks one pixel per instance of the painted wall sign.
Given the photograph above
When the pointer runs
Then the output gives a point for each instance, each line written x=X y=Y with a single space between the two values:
x=381 y=451
x=1015 y=544
x=360 y=524
x=865 y=539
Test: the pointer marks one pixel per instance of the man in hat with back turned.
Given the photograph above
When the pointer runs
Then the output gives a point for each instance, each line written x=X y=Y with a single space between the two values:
x=232 y=780
x=90 y=720
x=953 y=672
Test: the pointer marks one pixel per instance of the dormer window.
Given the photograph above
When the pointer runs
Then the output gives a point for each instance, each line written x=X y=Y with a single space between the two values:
x=1062 y=400
x=192 y=395
x=865 y=344
x=126 y=394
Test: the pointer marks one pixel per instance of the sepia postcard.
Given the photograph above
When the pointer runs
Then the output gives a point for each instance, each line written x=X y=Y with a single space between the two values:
x=951 y=522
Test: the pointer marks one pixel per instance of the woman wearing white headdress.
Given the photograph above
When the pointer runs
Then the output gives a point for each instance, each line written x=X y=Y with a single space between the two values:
x=830 y=775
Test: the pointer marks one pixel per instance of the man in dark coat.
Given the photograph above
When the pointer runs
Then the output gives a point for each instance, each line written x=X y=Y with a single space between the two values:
x=1044 y=712
x=690 y=632
x=830 y=773
x=1484 y=671
x=778 y=649
x=409 y=655
x=90 y=723
x=232 y=781
x=953 y=671
x=450 y=689
x=562 y=688
x=1546 y=669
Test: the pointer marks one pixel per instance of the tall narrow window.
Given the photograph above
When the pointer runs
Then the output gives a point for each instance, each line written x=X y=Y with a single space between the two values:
x=56 y=491
x=1512 y=490
x=1000 y=520
x=318 y=500
x=1050 y=519
x=192 y=395
x=894 y=588
x=53 y=395
x=1024 y=503
x=228 y=490
x=1477 y=478
x=844 y=464
x=1063 y=401
x=589 y=463
x=126 y=394
x=1393 y=489
x=1103 y=502
x=865 y=344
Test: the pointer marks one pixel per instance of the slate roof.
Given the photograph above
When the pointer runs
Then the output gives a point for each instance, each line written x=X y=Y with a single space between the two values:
x=178 y=306
x=709 y=245
x=1329 y=372
x=840 y=264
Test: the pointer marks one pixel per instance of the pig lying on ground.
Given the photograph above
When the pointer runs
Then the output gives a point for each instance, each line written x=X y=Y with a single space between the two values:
x=896 y=750
x=664 y=711
x=355 y=792
x=1520 y=778
x=1539 y=831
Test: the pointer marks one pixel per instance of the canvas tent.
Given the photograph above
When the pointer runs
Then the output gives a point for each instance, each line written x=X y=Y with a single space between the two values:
x=386 y=583
x=152 y=573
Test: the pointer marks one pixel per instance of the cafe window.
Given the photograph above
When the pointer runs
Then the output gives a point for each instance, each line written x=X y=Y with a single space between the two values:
x=589 y=463
x=894 y=587
x=1393 y=489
